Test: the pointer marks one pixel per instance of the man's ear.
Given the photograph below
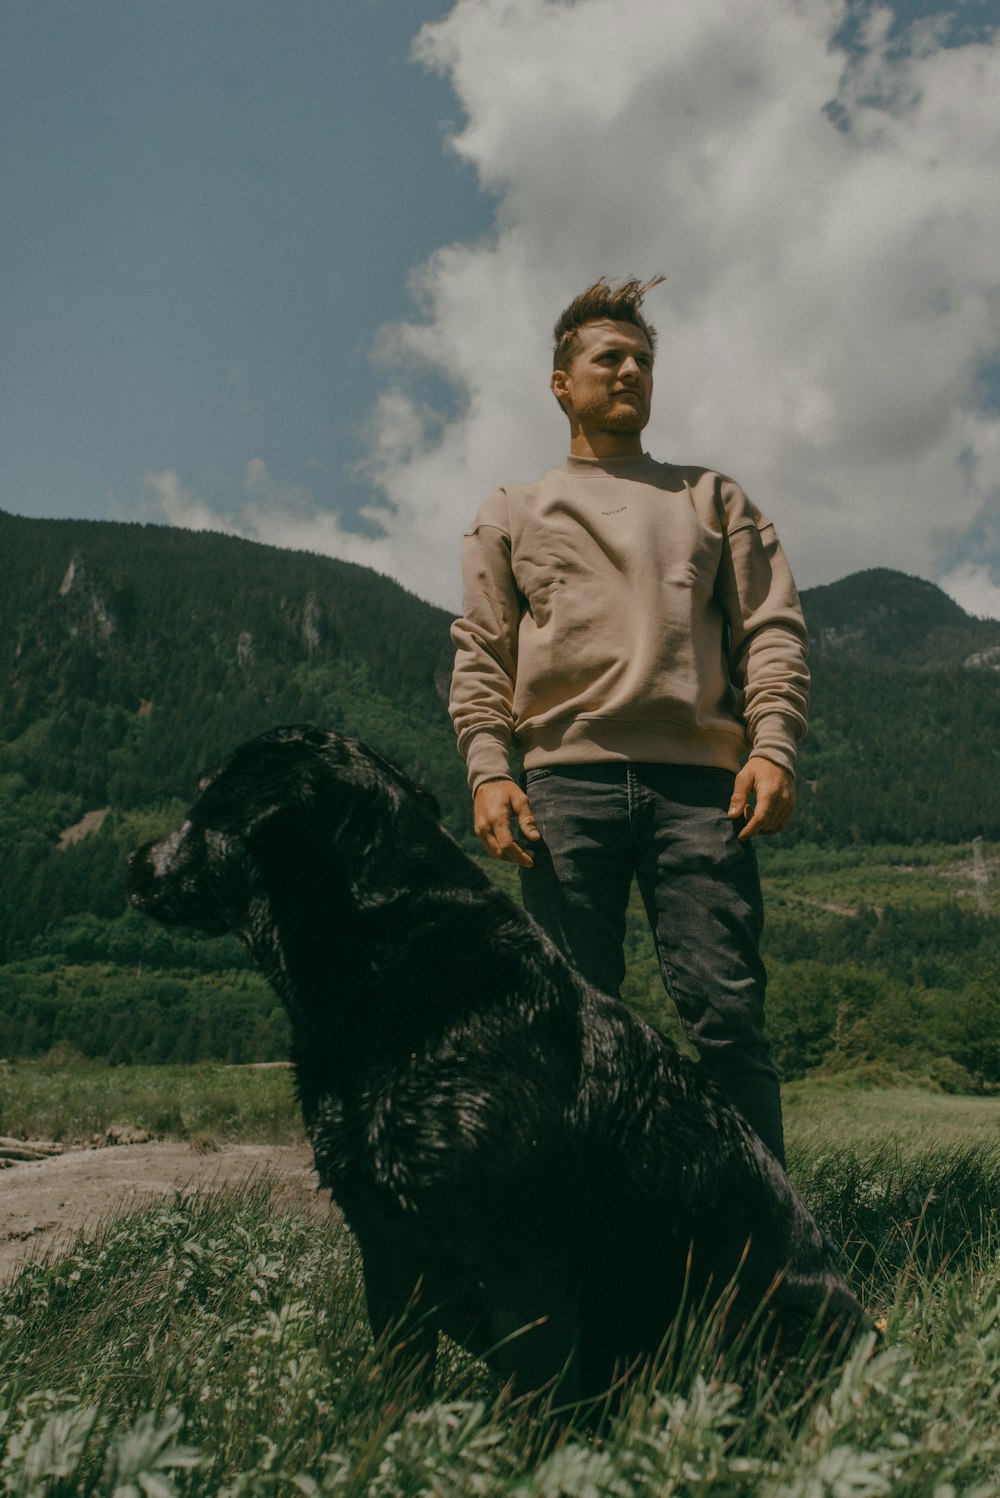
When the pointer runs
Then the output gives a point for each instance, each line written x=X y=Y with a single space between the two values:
x=560 y=388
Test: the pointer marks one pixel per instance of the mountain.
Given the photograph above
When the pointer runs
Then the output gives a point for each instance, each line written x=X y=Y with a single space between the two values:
x=134 y=656
x=878 y=610
x=904 y=738
x=884 y=613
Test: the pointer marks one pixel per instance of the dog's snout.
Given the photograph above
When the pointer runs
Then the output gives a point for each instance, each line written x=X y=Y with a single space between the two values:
x=155 y=861
x=163 y=854
x=187 y=878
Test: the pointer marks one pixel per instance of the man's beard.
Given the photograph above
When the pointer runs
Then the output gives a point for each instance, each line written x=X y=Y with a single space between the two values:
x=614 y=415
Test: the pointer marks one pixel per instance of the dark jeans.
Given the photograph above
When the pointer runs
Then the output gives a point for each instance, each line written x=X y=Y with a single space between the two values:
x=666 y=825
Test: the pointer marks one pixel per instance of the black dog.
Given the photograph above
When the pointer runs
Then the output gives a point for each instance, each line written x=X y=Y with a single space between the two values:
x=526 y=1164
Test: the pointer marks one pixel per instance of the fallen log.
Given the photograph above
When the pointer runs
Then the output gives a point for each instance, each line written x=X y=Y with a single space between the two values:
x=28 y=1149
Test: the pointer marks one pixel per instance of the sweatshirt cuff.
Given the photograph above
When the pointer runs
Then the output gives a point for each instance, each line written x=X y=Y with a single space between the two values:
x=775 y=738
x=487 y=758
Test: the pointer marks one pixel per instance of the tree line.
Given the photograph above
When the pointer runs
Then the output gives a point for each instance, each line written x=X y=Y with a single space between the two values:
x=136 y=656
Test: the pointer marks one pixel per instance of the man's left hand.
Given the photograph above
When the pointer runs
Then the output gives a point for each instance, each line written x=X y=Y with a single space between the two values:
x=764 y=793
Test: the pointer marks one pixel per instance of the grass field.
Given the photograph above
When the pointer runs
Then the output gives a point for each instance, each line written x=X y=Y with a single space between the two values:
x=215 y=1344
x=850 y=1113
x=250 y=1104
x=847 y=878
x=207 y=1103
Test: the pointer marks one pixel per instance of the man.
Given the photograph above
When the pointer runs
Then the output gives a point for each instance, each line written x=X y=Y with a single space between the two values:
x=634 y=626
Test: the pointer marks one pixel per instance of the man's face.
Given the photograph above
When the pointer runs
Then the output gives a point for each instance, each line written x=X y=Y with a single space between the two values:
x=609 y=384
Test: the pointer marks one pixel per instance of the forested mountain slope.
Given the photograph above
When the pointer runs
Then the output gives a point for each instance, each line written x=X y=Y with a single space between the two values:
x=885 y=613
x=904 y=741
x=133 y=656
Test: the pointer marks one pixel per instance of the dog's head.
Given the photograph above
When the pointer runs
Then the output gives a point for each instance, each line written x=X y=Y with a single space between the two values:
x=295 y=805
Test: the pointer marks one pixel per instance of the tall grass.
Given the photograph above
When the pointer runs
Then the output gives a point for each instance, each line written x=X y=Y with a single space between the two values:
x=215 y=1344
x=215 y=1103
x=73 y=1101
x=857 y=1108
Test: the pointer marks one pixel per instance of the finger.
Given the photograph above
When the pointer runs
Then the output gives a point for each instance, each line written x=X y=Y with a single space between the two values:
x=514 y=853
x=753 y=826
x=758 y=816
x=500 y=843
x=771 y=814
x=509 y=850
x=489 y=827
x=741 y=791
x=526 y=821
x=489 y=842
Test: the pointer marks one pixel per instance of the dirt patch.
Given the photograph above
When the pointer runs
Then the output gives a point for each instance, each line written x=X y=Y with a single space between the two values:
x=830 y=905
x=45 y=1203
x=91 y=821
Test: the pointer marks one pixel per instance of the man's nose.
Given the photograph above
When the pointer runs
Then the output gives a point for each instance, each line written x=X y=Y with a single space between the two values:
x=628 y=368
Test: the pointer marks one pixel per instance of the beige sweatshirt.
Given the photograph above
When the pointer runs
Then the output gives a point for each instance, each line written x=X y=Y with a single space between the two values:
x=624 y=609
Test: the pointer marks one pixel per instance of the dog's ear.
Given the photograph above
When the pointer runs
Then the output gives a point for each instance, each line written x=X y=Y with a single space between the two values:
x=368 y=765
x=272 y=776
x=423 y=798
x=288 y=774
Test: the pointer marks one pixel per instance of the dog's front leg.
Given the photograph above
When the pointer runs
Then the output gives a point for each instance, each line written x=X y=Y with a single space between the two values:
x=534 y=1322
x=400 y=1312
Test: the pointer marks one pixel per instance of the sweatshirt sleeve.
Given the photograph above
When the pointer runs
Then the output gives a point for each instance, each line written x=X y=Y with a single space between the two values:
x=768 y=644
x=485 y=640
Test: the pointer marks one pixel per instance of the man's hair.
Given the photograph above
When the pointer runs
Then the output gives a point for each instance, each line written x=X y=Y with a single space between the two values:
x=618 y=303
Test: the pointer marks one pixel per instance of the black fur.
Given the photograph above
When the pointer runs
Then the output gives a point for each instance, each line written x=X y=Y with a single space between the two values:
x=526 y=1164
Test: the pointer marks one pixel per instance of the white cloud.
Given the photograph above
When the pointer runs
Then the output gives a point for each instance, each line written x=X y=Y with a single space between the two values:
x=165 y=497
x=268 y=511
x=975 y=587
x=832 y=288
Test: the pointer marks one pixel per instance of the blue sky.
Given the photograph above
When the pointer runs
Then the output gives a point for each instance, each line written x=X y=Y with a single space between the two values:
x=218 y=203
x=283 y=270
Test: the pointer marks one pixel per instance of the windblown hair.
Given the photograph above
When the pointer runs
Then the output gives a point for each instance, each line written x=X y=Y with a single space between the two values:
x=619 y=303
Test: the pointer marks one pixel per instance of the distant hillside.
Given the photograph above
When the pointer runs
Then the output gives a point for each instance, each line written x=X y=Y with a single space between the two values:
x=878 y=610
x=904 y=739
x=885 y=613
x=134 y=656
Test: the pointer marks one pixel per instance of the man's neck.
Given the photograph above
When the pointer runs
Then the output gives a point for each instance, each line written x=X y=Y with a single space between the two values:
x=583 y=444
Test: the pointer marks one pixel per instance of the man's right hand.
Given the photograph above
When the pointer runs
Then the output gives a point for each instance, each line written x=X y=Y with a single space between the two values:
x=498 y=803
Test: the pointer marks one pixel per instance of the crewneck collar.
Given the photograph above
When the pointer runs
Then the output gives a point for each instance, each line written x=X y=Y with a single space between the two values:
x=635 y=464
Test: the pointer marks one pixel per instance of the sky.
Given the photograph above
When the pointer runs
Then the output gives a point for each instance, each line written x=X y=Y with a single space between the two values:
x=289 y=270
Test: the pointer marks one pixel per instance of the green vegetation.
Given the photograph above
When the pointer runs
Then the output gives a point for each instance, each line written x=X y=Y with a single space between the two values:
x=213 y=1105
x=134 y=656
x=888 y=956
x=110 y=1012
x=215 y=1344
x=904 y=737
x=883 y=956
x=70 y=1100
x=853 y=1113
